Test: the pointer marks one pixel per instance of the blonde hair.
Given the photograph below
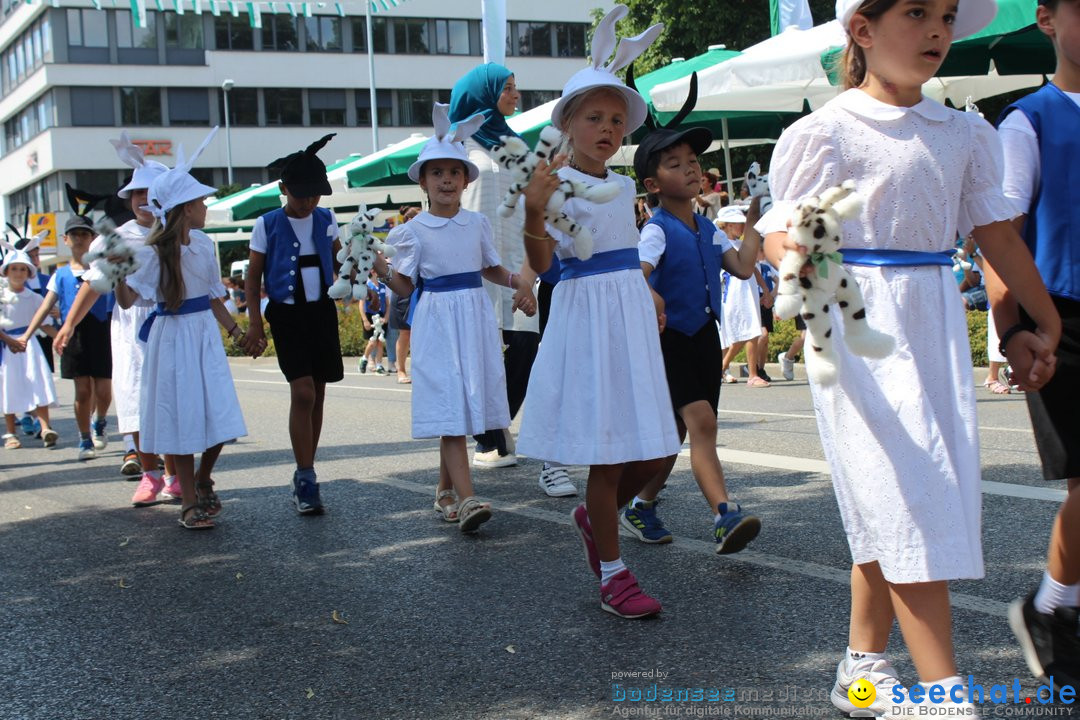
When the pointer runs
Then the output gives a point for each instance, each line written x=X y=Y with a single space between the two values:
x=574 y=105
x=166 y=240
x=853 y=61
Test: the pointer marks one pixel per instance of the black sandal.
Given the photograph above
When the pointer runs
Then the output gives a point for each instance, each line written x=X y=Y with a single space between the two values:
x=199 y=520
x=207 y=499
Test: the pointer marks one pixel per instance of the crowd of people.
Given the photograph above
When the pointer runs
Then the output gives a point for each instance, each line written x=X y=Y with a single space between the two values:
x=613 y=358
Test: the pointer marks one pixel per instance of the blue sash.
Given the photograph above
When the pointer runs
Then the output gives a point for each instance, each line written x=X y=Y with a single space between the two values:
x=13 y=332
x=443 y=283
x=191 y=305
x=908 y=258
x=600 y=263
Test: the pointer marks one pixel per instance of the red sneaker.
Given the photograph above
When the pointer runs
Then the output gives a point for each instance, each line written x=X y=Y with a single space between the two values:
x=621 y=596
x=147 y=491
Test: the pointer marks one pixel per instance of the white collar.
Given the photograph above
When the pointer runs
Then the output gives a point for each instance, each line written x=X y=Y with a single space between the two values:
x=860 y=103
x=434 y=221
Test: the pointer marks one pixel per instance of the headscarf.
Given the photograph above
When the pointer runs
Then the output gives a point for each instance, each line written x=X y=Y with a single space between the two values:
x=478 y=91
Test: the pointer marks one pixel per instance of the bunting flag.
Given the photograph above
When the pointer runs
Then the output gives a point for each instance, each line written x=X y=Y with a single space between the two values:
x=272 y=7
x=255 y=8
x=234 y=9
x=291 y=7
x=786 y=13
x=178 y=6
x=97 y=4
x=214 y=8
x=307 y=9
x=254 y=15
x=160 y=5
x=340 y=9
x=197 y=6
x=138 y=13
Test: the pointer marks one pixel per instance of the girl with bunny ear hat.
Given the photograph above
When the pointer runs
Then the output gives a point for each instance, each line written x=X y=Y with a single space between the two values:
x=598 y=394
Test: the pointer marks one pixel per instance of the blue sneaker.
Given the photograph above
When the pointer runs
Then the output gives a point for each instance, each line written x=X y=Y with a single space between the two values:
x=306 y=494
x=734 y=529
x=641 y=520
x=26 y=424
x=86 y=449
x=100 y=438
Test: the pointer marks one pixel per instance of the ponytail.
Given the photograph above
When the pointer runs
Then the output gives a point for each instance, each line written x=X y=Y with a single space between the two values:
x=853 y=62
x=166 y=240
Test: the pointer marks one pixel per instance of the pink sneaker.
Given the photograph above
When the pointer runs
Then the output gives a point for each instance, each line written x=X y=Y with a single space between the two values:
x=147 y=491
x=580 y=518
x=621 y=596
x=172 y=487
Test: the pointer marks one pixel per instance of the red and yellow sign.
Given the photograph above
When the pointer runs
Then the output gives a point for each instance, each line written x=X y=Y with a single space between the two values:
x=154 y=147
x=44 y=221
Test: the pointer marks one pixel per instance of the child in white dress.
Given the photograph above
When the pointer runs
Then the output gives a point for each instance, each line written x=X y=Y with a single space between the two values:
x=598 y=394
x=25 y=379
x=188 y=401
x=742 y=310
x=899 y=433
x=459 y=384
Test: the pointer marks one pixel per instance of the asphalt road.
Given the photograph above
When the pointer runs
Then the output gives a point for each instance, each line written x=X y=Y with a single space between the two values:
x=107 y=611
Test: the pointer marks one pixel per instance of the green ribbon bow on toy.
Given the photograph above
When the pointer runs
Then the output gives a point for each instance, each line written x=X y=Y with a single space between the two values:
x=821 y=260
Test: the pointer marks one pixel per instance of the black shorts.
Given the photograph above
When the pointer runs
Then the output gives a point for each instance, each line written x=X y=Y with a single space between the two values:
x=766 y=318
x=800 y=324
x=306 y=340
x=46 y=347
x=543 y=302
x=399 y=313
x=89 y=352
x=693 y=365
x=1054 y=415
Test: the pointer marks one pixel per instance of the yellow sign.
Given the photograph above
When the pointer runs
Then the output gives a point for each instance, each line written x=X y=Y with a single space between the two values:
x=44 y=221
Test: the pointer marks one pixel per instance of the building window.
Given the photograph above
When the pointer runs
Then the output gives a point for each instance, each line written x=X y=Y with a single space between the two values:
x=99 y=182
x=414 y=107
x=92 y=106
x=379 y=30
x=535 y=98
x=283 y=106
x=233 y=33
x=140 y=106
x=532 y=38
x=130 y=36
x=385 y=102
x=326 y=107
x=189 y=106
x=184 y=31
x=323 y=33
x=452 y=37
x=243 y=106
x=570 y=39
x=46 y=112
x=279 y=32
x=46 y=38
x=87 y=28
x=411 y=37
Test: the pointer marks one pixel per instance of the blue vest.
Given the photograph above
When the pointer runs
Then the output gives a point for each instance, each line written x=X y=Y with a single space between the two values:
x=1052 y=230
x=688 y=274
x=67 y=287
x=283 y=252
x=43 y=284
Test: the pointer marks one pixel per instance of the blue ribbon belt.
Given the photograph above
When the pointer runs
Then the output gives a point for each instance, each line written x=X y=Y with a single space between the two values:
x=191 y=305
x=13 y=332
x=443 y=283
x=605 y=262
x=882 y=258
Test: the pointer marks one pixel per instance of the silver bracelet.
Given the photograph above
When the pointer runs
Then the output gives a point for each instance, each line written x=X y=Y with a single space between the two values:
x=385 y=279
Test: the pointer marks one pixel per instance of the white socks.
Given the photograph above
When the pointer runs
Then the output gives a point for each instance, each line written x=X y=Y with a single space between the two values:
x=609 y=570
x=129 y=443
x=857 y=657
x=1052 y=595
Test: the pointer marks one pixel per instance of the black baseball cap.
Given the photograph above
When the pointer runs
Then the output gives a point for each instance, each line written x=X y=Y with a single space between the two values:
x=698 y=138
x=78 y=222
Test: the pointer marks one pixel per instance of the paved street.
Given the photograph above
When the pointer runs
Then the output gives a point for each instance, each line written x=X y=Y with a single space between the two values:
x=107 y=611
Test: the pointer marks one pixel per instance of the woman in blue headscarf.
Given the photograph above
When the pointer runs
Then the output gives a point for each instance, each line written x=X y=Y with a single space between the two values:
x=491 y=89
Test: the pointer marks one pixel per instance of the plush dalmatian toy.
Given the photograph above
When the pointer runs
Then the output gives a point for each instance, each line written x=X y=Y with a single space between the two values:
x=114 y=259
x=358 y=252
x=378 y=330
x=817 y=225
x=515 y=156
x=758 y=185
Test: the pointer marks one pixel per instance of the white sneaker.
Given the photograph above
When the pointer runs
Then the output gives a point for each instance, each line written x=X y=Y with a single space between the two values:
x=881 y=675
x=492 y=459
x=787 y=367
x=511 y=446
x=555 y=481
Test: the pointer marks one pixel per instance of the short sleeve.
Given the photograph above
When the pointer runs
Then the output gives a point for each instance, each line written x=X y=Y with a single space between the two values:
x=982 y=200
x=258 y=237
x=721 y=244
x=805 y=162
x=1023 y=166
x=407 y=256
x=652 y=245
x=333 y=231
x=53 y=287
x=489 y=254
x=144 y=281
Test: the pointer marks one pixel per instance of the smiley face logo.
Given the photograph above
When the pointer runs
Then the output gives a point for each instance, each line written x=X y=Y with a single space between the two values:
x=862 y=693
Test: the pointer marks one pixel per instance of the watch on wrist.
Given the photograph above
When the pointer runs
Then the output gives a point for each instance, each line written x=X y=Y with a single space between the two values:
x=385 y=279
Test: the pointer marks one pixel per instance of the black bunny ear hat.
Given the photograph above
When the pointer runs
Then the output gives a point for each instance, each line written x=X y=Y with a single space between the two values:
x=303 y=173
x=82 y=203
x=663 y=137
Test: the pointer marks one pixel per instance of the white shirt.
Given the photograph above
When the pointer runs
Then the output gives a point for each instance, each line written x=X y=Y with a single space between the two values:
x=429 y=246
x=654 y=243
x=612 y=223
x=1023 y=167
x=21 y=313
x=925 y=172
x=198 y=265
x=303 y=229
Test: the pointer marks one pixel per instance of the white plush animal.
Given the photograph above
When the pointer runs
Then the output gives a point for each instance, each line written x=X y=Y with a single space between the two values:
x=114 y=258
x=817 y=225
x=358 y=250
x=515 y=156
x=758 y=185
x=378 y=332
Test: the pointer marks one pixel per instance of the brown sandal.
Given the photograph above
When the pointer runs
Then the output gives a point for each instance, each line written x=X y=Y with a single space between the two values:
x=207 y=499
x=199 y=520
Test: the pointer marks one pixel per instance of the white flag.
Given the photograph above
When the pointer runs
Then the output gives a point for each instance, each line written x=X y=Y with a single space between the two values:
x=494 y=31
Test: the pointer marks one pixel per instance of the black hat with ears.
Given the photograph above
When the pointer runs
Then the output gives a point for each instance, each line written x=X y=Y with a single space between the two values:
x=303 y=173
x=81 y=203
x=661 y=137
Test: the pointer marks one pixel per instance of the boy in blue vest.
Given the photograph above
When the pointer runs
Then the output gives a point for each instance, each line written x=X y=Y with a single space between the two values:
x=682 y=265
x=294 y=248
x=1040 y=135
x=87 y=359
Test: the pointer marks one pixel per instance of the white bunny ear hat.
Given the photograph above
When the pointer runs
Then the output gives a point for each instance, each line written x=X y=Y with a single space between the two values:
x=447 y=143
x=176 y=186
x=146 y=171
x=12 y=256
x=600 y=75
